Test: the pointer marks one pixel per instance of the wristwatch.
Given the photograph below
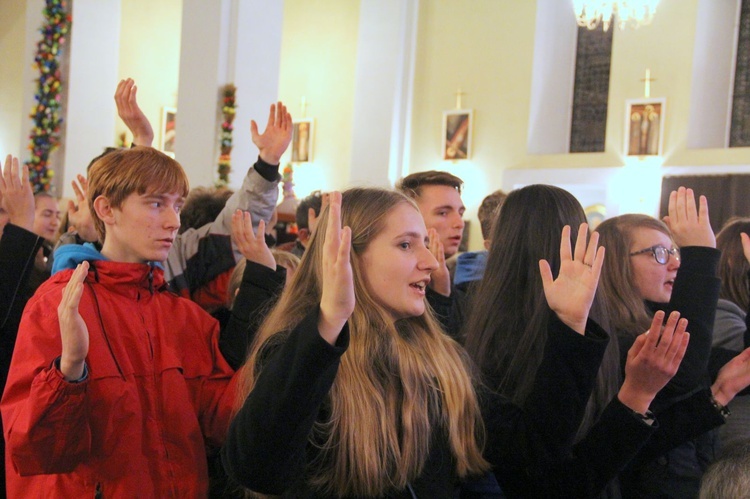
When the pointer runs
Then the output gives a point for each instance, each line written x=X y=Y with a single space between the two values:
x=723 y=410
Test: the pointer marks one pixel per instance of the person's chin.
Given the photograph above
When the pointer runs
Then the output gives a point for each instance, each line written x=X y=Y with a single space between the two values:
x=157 y=255
x=417 y=310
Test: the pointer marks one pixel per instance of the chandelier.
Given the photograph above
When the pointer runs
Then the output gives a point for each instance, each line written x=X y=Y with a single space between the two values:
x=590 y=13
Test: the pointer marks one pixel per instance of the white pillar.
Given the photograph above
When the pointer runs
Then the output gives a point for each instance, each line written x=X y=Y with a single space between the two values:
x=15 y=47
x=714 y=60
x=382 y=100
x=94 y=52
x=553 y=76
x=225 y=41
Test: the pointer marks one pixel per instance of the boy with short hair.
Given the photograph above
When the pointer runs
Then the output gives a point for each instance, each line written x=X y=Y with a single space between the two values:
x=118 y=392
x=438 y=196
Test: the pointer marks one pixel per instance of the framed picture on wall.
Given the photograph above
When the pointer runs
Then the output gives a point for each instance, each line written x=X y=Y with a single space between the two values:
x=456 y=138
x=644 y=126
x=167 y=136
x=302 y=140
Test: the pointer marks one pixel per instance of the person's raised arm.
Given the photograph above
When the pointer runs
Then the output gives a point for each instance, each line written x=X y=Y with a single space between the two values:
x=732 y=379
x=440 y=279
x=690 y=225
x=17 y=248
x=337 y=298
x=79 y=214
x=252 y=246
x=695 y=292
x=16 y=194
x=131 y=114
x=276 y=137
x=73 y=330
x=571 y=294
x=653 y=360
x=261 y=285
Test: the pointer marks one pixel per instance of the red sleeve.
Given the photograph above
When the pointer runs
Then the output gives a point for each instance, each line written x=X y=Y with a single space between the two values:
x=45 y=418
x=213 y=295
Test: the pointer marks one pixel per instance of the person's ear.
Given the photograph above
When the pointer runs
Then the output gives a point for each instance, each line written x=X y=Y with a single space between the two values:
x=487 y=244
x=303 y=235
x=104 y=210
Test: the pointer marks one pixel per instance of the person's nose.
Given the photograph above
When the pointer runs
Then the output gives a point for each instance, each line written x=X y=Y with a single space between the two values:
x=171 y=219
x=674 y=262
x=427 y=260
x=458 y=222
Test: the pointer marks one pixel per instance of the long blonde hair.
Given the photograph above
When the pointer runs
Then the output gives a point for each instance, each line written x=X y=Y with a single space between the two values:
x=397 y=384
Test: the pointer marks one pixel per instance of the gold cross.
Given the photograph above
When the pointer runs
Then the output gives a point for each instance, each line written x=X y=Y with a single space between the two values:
x=647 y=83
x=459 y=93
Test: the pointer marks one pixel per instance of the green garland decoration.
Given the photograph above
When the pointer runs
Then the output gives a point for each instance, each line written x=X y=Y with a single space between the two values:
x=45 y=115
x=228 y=109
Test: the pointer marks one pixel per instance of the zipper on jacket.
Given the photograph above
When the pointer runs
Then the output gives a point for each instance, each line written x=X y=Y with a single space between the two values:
x=151 y=278
x=98 y=493
x=104 y=331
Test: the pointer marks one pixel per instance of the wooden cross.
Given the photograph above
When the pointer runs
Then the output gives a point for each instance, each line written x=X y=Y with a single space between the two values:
x=647 y=83
x=459 y=93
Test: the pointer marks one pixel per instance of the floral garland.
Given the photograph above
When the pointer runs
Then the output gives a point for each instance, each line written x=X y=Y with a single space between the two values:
x=228 y=108
x=44 y=136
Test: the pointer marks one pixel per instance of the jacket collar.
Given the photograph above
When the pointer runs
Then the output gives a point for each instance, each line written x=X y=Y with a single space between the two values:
x=149 y=275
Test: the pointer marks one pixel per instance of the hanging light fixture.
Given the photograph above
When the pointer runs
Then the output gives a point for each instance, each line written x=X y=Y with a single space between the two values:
x=591 y=13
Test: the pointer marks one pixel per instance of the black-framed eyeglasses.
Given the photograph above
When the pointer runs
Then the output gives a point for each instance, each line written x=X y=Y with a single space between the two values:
x=661 y=254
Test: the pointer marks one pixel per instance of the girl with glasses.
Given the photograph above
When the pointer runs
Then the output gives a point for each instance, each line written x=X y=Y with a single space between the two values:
x=508 y=329
x=653 y=265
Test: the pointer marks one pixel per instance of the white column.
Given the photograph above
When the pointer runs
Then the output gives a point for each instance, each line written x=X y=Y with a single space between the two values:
x=714 y=57
x=384 y=83
x=553 y=76
x=225 y=41
x=94 y=51
x=16 y=47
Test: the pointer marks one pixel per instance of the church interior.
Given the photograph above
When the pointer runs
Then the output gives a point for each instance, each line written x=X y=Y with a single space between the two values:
x=382 y=87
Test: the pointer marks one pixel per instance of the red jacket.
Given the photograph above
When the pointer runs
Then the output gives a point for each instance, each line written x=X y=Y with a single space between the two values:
x=157 y=391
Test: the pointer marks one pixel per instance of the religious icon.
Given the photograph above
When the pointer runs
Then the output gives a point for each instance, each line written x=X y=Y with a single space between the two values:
x=644 y=127
x=457 y=134
x=302 y=135
x=168 y=129
x=595 y=214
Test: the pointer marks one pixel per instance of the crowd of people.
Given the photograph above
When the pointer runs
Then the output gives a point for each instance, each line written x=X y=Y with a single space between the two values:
x=155 y=343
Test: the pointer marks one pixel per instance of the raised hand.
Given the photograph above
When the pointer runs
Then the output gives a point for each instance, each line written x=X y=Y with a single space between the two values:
x=337 y=298
x=252 y=246
x=440 y=279
x=73 y=330
x=732 y=378
x=689 y=224
x=16 y=193
x=571 y=294
x=131 y=114
x=745 y=245
x=653 y=360
x=277 y=135
x=79 y=215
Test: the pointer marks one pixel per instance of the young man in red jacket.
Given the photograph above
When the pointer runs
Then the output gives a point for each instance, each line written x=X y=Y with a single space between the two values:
x=116 y=384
